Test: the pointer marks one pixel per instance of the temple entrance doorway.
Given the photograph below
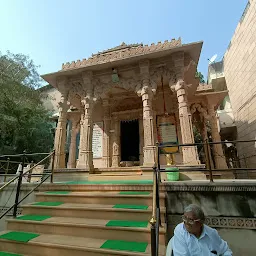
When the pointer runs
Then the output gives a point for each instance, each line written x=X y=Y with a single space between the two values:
x=130 y=141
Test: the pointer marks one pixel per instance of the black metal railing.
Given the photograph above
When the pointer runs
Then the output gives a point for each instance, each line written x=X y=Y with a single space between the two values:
x=18 y=177
x=209 y=167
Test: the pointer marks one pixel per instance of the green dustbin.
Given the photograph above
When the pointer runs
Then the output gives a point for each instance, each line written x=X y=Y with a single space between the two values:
x=174 y=175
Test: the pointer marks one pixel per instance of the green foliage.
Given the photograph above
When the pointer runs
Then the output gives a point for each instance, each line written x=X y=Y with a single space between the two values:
x=200 y=76
x=24 y=123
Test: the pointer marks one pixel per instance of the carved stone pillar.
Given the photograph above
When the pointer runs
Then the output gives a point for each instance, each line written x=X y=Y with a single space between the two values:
x=61 y=131
x=72 y=148
x=141 y=130
x=116 y=143
x=219 y=157
x=148 y=117
x=106 y=134
x=190 y=155
x=85 y=150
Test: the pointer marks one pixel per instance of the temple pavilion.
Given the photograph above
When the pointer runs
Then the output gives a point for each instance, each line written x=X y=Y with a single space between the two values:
x=123 y=101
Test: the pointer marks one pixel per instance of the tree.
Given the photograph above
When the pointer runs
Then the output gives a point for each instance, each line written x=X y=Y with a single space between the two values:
x=200 y=76
x=24 y=123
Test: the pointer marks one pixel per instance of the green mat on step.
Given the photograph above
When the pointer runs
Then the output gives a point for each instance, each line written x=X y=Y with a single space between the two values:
x=9 y=254
x=19 y=236
x=125 y=246
x=130 y=206
x=127 y=223
x=49 y=203
x=58 y=192
x=134 y=193
x=113 y=182
x=34 y=217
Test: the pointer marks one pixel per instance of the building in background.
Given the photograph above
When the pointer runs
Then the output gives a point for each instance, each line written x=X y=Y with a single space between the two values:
x=240 y=77
x=227 y=126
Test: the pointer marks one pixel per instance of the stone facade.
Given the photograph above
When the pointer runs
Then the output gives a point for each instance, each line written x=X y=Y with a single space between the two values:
x=131 y=83
x=239 y=68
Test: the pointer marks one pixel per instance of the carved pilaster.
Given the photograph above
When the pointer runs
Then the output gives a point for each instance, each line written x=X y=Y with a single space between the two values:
x=75 y=119
x=106 y=134
x=141 y=130
x=85 y=150
x=219 y=157
x=116 y=143
x=146 y=94
x=61 y=132
x=190 y=155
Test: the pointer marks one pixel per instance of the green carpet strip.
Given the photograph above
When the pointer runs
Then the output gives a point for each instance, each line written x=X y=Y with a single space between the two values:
x=125 y=246
x=58 y=192
x=113 y=182
x=127 y=223
x=34 y=217
x=134 y=193
x=9 y=254
x=131 y=206
x=19 y=236
x=48 y=203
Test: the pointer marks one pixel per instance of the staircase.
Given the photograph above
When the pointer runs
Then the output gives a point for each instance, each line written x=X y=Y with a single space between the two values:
x=81 y=219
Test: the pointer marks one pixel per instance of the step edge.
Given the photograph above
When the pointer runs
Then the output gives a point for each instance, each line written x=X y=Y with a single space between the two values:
x=77 y=225
x=162 y=209
x=80 y=248
x=95 y=196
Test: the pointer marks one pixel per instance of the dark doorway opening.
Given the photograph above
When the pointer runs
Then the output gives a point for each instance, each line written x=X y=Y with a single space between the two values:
x=130 y=141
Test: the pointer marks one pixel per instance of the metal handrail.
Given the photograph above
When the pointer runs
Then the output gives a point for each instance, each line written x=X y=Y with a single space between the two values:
x=155 y=219
x=27 y=154
x=203 y=143
x=21 y=174
x=30 y=169
x=30 y=192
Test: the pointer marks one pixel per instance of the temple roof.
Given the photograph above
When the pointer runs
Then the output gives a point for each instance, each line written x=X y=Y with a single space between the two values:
x=121 y=52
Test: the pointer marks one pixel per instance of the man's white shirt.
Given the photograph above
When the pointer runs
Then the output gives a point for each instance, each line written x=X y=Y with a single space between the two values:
x=186 y=244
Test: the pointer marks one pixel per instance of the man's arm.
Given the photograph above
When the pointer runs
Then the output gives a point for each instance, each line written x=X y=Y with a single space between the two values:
x=222 y=245
x=179 y=244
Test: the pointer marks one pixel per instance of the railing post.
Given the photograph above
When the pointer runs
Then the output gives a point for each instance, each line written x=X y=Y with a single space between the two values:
x=7 y=168
x=153 y=237
x=18 y=186
x=208 y=162
x=53 y=160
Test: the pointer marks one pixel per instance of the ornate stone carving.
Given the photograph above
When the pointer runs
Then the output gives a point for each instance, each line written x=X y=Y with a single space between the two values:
x=190 y=156
x=121 y=52
x=60 y=134
x=163 y=71
x=202 y=110
x=106 y=134
x=75 y=119
x=85 y=152
x=116 y=143
x=127 y=115
x=219 y=157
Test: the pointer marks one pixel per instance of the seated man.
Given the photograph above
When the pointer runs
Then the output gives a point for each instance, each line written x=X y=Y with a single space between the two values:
x=194 y=238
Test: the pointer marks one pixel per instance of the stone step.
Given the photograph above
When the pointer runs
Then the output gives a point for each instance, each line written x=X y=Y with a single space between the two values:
x=47 y=244
x=96 y=211
x=118 y=176
x=111 y=198
x=89 y=228
x=93 y=186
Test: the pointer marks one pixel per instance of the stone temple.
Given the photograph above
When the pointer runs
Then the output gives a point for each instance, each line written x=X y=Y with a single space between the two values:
x=124 y=100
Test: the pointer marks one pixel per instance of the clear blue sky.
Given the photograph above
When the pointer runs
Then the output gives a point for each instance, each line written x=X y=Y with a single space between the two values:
x=55 y=31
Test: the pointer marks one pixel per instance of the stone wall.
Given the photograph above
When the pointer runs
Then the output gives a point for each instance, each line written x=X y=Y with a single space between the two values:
x=239 y=68
x=230 y=209
x=7 y=199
